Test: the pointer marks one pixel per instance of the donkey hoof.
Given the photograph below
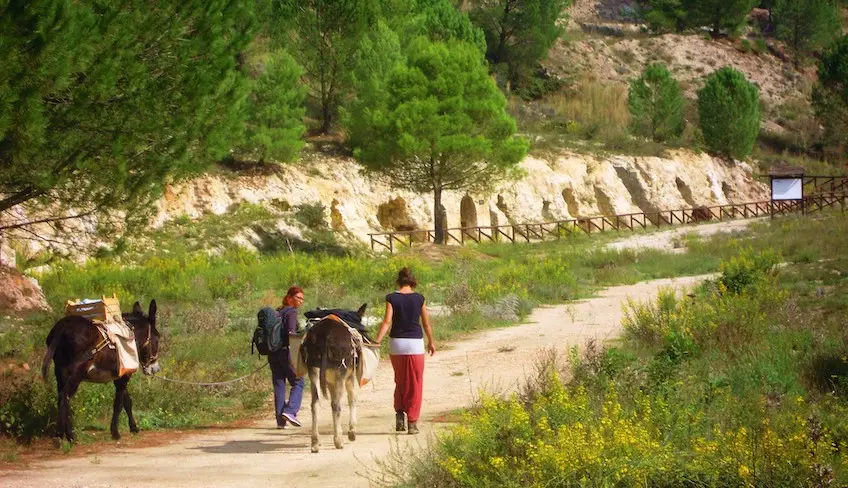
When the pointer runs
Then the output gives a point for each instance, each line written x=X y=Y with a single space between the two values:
x=314 y=449
x=57 y=442
x=351 y=436
x=134 y=430
x=116 y=436
x=339 y=444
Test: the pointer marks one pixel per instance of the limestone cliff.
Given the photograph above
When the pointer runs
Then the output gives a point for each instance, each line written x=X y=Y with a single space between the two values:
x=560 y=187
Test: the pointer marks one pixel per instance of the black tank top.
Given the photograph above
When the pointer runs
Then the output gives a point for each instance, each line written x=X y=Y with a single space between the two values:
x=406 y=318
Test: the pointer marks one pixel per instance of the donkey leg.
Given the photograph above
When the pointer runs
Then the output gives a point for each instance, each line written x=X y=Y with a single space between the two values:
x=71 y=387
x=128 y=409
x=313 y=382
x=336 y=404
x=61 y=404
x=118 y=405
x=352 y=388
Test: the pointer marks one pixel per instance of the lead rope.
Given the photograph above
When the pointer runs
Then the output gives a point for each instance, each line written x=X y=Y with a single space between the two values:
x=217 y=383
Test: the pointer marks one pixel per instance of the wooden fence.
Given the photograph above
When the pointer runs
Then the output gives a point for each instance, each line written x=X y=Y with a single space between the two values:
x=825 y=184
x=528 y=232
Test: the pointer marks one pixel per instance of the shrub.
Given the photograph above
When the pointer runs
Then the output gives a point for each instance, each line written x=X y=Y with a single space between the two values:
x=312 y=215
x=830 y=95
x=656 y=104
x=748 y=269
x=729 y=113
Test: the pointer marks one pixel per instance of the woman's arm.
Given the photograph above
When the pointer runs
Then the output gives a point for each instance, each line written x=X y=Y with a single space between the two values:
x=428 y=329
x=290 y=324
x=387 y=322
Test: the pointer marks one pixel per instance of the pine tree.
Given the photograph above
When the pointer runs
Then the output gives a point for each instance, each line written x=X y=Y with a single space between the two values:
x=729 y=113
x=324 y=36
x=102 y=103
x=274 y=126
x=830 y=95
x=519 y=33
x=805 y=25
x=442 y=124
x=719 y=15
x=656 y=104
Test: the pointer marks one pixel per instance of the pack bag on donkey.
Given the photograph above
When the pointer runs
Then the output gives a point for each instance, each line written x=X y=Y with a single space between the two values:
x=268 y=337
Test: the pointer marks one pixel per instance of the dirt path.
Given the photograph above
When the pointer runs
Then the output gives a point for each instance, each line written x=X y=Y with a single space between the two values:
x=260 y=455
x=668 y=240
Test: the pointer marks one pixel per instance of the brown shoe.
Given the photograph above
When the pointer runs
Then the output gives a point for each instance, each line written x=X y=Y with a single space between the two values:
x=400 y=422
x=413 y=428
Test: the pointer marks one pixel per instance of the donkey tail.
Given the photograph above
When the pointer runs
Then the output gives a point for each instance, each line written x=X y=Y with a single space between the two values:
x=52 y=343
x=325 y=363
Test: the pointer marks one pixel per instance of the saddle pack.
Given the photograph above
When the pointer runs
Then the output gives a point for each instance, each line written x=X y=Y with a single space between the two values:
x=267 y=338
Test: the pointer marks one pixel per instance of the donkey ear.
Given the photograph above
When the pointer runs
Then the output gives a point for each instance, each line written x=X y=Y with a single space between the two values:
x=137 y=309
x=361 y=311
x=151 y=314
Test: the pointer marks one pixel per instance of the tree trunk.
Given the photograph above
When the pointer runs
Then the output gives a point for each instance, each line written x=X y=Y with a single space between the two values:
x=326 y=117
x=438 y=216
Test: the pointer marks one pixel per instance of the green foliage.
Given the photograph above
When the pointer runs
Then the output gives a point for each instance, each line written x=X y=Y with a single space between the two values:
x=274 y=125
x=678 y=15
x=747 y=270
x=830 y=95
x=729 y=113
x=656 y=104
x=806 y=25
x=441 y=125
x=323 y=35
x=438 y=20
x=103 y=103
x=312 y=215
x=720 y=15
x=519 y=33
x=666 y=15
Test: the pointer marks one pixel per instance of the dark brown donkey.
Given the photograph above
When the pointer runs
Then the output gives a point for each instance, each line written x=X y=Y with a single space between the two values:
x=72 y=345
x=331 y=354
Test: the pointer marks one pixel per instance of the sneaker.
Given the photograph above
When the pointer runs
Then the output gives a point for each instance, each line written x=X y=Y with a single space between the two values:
x=400 y=422
x=413 y=428
x=291 y=418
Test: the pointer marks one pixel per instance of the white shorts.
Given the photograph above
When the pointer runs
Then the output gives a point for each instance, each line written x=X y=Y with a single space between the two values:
x=405 y=347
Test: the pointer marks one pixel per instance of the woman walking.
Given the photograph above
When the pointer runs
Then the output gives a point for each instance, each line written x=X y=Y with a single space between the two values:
x=282 y=368
x=406 y=313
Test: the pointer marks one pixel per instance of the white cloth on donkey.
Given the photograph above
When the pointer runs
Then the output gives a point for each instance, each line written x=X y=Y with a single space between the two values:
x=105 y=314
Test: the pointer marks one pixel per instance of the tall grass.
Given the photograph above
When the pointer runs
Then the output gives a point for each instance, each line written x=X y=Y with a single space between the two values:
x=596 y=106
x=741 y=384
x=207 y=307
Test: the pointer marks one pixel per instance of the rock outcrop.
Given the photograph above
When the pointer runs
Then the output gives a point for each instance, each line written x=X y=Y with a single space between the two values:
x=19 y=293
x=562 y=187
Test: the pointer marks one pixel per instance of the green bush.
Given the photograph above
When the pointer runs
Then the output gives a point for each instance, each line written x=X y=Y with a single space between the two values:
x=830 y=96
x=656 y=104
x=312 y=215
x=729 y=113
x=747 y=270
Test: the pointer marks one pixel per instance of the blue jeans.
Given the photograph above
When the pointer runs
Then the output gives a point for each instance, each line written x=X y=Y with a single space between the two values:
x=281 y=372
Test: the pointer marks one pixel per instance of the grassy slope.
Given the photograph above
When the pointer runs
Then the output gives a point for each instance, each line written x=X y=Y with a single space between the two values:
x=208 y=303
x=744 y=385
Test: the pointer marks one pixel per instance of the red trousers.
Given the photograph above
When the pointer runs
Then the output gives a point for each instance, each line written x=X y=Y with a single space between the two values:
x=409 y=384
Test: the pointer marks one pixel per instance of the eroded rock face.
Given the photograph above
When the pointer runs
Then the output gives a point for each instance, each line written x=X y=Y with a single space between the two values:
x=558 y=187
x=553 y=188
x=19 y=293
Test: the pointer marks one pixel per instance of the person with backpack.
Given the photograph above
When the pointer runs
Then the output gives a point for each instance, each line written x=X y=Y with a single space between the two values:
x=282 y=367
x=407 y=316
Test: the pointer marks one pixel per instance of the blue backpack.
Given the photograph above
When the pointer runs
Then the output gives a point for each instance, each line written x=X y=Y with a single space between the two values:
x=267 y=338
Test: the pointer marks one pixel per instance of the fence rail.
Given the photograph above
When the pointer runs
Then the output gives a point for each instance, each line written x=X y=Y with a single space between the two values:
x=529 y=232
x=825 y=184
